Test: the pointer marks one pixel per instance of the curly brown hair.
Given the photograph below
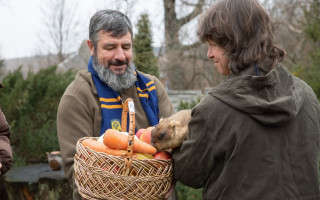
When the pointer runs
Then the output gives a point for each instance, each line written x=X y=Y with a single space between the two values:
x=244 y=29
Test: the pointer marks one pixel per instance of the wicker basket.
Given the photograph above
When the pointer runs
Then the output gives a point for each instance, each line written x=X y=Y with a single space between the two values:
x=102 y=176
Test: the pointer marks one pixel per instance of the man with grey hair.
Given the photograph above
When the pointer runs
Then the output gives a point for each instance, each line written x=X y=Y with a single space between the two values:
x=92 y=103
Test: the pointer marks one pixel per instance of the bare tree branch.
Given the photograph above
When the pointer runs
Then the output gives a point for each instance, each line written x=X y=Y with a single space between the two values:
x=196 y=11
x=62 y=28
x=191 y=46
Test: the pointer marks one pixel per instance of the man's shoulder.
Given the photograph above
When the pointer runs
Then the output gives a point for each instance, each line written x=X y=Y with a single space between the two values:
x=83 y=75
x=82 y=82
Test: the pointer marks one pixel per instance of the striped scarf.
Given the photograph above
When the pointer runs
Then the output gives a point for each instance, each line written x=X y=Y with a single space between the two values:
x=111 y=102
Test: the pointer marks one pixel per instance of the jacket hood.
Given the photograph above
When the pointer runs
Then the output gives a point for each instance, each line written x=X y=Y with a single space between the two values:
x=273 y=99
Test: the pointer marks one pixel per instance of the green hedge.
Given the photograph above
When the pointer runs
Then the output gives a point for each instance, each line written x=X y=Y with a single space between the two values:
x=30 y=106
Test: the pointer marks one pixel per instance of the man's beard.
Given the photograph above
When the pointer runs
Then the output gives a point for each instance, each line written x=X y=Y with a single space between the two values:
x=114 y=81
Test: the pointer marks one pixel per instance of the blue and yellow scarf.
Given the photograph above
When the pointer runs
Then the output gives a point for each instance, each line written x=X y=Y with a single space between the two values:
x=111 y=102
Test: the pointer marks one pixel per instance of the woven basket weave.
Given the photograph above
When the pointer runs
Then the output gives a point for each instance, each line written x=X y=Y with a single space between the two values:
x=102 y=176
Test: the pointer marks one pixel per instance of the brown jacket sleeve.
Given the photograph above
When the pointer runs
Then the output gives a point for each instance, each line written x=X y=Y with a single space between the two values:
x=5 y=148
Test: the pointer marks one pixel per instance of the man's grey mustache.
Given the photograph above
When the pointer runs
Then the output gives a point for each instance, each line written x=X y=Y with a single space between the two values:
x=118 y=62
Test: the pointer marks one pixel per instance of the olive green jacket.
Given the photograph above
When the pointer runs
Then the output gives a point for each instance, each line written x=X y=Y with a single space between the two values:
x=254 y=138
x=79 y=115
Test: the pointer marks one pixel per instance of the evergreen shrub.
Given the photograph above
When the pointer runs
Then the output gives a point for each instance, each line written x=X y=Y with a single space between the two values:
x=30 y=106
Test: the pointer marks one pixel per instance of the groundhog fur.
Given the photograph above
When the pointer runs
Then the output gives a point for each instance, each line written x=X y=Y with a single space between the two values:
x=170 y=132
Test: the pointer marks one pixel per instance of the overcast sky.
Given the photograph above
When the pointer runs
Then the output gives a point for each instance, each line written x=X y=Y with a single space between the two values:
x=21 y=23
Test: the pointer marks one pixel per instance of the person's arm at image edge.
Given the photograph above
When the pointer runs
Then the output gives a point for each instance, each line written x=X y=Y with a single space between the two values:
x=5 y=148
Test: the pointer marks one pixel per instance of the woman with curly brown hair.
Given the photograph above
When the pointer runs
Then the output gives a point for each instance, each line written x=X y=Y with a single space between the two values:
x=255 y=135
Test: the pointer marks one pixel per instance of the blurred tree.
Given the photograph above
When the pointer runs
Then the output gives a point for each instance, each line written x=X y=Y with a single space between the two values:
x=312 y=26
x=312 y=31
x=174 y=48
x=173 y=24
x=144 y=58
x=2 y=69
x=187 y=193
x=30 y=106
x=1 y=65
x=62 y=28
x=4 y=3
x=289 y=23
x=185 y=64
x=188 y=105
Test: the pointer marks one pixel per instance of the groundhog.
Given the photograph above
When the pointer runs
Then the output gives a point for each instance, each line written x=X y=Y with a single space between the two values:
x=170 y=132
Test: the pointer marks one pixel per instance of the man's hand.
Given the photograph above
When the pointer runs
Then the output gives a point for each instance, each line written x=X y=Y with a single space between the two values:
x=0 y=168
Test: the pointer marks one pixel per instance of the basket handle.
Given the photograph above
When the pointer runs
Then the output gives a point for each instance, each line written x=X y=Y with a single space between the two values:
x=128 y=106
